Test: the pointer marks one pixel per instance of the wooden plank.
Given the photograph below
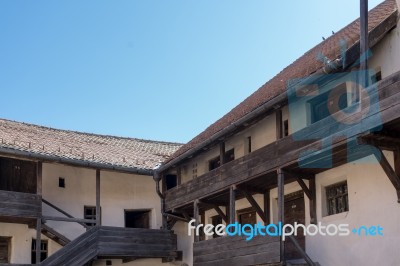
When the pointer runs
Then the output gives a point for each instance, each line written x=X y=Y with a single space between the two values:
x=389 y=171
x=300 y=182
x=18 y=204
x=236 y=251
x=98 y=210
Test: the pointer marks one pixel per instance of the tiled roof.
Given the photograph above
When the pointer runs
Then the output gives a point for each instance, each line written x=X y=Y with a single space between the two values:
x=110 y=152
x=302 y=67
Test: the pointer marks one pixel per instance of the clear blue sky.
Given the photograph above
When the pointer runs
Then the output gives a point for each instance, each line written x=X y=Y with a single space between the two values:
x=161 y=70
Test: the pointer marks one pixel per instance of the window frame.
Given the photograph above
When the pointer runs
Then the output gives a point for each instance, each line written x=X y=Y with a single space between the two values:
x=342 y=195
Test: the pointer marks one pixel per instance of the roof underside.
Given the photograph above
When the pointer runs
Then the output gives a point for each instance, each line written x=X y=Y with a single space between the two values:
x=109 y=152
x=304 y=66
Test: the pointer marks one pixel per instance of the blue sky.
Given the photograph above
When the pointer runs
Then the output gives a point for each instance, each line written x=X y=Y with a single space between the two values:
x=161 y=70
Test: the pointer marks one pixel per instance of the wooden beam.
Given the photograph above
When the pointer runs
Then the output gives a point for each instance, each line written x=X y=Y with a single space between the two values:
x=38 y=220
x=221 y=213
x=67 y=219
x=279 y=124
x=202 y=221
x=232 y=201
x=196 y=218
x=39 y=178
x=98 y=210
x=390 y=172
x=267 y=206
x=281 y=206
x=254 y=204
x=178 y=175
x=62 y=211
x=300 y=181
x=222 y=153
x=381 y=141
x=313 y=200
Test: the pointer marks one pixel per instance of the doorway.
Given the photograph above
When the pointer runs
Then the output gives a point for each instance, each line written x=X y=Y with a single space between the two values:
x=137 y=218
x=295 y=212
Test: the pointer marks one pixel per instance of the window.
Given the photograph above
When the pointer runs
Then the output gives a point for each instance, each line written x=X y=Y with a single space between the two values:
x=5 y=248
x=137 y=218
x=377 y=77
x=171 y=181
x=329 y=103
x=61 y=182
x=216 y=162
x=337 y=198
x=247 y=216
x=248 y=145
x=89 y=212
x=43 y=251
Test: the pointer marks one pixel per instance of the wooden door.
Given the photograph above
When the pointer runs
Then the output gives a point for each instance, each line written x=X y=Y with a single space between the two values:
x=294 y=212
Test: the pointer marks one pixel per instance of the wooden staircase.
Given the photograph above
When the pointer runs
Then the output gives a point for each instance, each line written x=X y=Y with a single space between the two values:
x=103 y=242
x=77 y=252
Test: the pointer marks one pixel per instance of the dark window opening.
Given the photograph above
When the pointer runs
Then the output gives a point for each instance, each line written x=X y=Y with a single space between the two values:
x=171 y=181
x=43 y=251
x=61 y=182
x=89 y=212
x=216 y=162
x=216 y=220
x=5 y=248
x=330 y=102
x=108 y=262
x=247 y=216
x=248 y=144
x=137 y=218
x=286 y=128
x=377 y=77
x=337 y=198
x=18 y=175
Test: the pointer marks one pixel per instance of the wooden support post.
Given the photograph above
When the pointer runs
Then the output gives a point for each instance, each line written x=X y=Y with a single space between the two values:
x=196 y=218
x=178 y=176
x=281 y=205
x=313 y=201
x=98 y=210
x=222 y=153
x=202 y=221
x=267 y=207
x=39 y=219
x=254 y=204
x=232 y=201
x=279 y=125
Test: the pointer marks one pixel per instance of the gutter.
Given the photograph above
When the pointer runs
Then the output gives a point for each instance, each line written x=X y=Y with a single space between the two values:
x=75 y=162
x=165 y=215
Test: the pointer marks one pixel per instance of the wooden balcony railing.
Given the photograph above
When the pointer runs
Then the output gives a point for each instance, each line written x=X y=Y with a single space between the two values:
x=287 y=151
x=15 y=205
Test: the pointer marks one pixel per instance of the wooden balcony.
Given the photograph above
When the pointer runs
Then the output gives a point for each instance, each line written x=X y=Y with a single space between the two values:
x=237 y=251
x=258 y=169
x=19 y=207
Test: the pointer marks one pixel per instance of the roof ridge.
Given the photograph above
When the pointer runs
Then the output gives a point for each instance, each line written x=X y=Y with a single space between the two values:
x=87 y=133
